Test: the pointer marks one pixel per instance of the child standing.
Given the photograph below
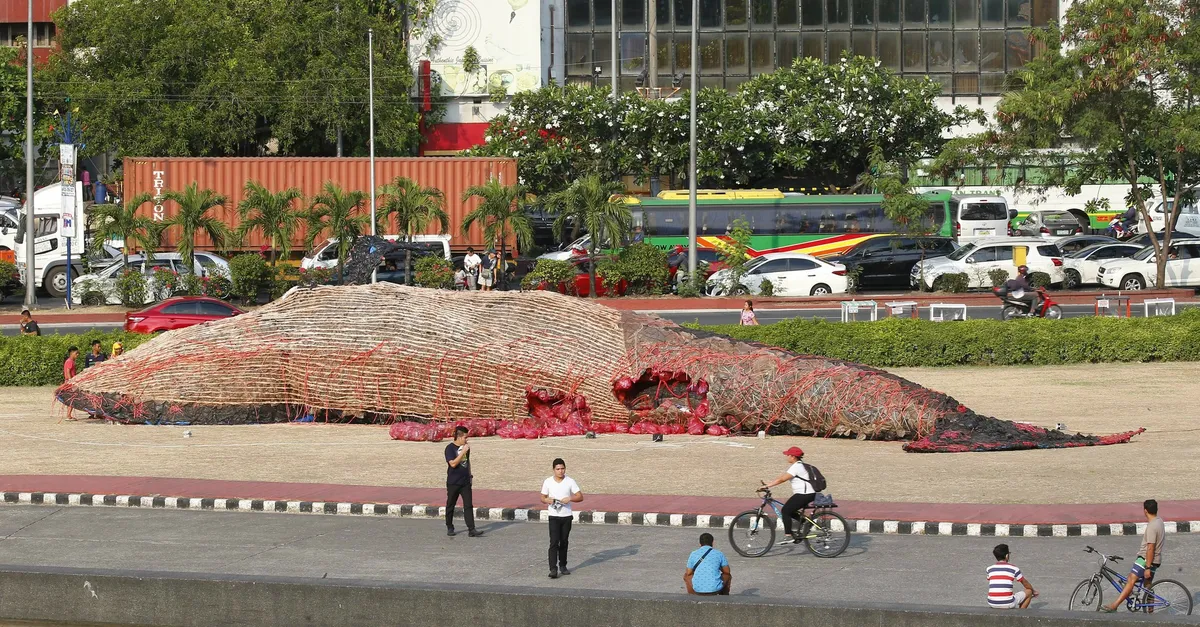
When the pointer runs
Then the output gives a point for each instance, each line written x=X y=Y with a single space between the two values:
x=748 y=317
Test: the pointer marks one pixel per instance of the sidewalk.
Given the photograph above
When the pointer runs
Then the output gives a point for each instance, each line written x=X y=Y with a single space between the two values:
x=627 y=509
x=672 y=303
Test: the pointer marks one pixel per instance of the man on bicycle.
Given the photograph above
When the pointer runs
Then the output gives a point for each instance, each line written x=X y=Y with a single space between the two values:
x=1149 y=556
x=802 y=492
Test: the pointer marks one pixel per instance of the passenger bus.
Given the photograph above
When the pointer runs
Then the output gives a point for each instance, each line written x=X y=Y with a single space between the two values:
x=813 y=224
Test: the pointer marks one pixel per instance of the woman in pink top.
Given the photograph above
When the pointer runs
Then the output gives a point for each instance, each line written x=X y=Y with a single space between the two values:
x=69 y=371
x=748 y=317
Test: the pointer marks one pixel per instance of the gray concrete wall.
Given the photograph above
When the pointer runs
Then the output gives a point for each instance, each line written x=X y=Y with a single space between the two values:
x=187 y=600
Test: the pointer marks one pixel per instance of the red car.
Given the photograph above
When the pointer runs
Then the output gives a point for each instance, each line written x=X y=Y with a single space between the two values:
x=583 y=282
x=177 y=313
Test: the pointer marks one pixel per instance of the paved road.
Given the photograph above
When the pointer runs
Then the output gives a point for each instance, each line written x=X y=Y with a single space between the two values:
x=886 y=569
x=65 y=329
x=771 y=316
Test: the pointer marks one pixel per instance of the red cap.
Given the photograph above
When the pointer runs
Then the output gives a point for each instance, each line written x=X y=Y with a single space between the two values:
x=794 y=452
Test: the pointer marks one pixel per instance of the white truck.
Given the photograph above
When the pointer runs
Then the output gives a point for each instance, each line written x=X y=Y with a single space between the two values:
x=50 y=246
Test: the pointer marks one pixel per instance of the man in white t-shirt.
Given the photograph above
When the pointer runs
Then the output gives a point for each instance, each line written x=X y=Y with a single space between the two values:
x=471 y=265
x=802 y=491
x=559 y=492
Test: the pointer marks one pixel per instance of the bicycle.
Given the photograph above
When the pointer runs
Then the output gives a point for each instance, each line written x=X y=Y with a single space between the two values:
x=1163 y=596
x=826 y=534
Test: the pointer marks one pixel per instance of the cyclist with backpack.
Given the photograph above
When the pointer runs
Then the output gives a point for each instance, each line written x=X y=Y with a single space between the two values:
x=806 y=481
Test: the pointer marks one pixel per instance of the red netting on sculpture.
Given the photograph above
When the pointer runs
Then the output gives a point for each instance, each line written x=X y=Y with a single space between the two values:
x=516 y=365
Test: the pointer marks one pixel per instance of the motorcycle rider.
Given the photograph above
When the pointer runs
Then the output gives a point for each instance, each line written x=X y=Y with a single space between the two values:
x=1019 y=289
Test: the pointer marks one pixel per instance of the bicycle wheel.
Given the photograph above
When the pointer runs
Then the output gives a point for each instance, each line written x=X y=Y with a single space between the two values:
x=752 y=533
x=829 y=536
x=1087 y=597
x=1175 y=599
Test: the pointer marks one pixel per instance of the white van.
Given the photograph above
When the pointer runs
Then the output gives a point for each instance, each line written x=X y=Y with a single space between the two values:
x=1189 y=215
x=326 y=255
x=978 y=217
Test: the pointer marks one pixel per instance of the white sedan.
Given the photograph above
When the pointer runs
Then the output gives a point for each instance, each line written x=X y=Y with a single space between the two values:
x=791 y=274
x=105 y=280
x=1083 y=266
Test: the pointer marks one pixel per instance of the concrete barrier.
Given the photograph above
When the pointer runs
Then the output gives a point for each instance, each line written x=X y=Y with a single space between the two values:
x=196 y=600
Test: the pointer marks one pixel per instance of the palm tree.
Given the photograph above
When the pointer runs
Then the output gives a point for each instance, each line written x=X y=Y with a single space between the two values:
x=337 y=212
x=596 y=204
x=274 y=215
x=123 y=223
x=415 y=207
x=500 y=216
x=192 y=218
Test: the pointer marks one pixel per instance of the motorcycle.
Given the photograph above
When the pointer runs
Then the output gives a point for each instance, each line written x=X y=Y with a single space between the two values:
x=1117 y=229
x=1014 y=307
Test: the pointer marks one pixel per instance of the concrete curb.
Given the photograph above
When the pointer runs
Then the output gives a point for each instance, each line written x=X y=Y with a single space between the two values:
x=649 y=519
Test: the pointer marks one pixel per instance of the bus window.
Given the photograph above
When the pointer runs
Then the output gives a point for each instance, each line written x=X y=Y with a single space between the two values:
x=761 y=219
x=713 y=221
x=665 y=222
x=800 y=218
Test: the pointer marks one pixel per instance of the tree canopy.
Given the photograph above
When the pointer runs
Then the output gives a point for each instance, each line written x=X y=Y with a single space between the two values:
x=233 y=77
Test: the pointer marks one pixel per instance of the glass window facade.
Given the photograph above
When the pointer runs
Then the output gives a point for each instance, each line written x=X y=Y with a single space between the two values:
x=967 y=46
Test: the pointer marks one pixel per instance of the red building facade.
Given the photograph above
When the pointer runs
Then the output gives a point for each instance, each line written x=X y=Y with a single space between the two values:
x=14 y=23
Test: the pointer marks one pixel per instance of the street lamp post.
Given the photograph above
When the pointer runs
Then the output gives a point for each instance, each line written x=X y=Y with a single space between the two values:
x=613 y=57
x=30 y=226
x=371 y=122
x=692 y=144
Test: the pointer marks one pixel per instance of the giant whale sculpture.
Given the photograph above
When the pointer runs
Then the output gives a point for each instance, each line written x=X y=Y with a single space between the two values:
x=388 y=353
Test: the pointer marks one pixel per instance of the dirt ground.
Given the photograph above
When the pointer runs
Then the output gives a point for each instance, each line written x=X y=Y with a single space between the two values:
x=1089 y=398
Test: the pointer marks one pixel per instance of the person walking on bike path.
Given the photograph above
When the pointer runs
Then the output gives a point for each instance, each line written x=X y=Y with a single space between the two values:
x=559 y=492
x=1002 y=578
x=1149 y=556
x=707 y=572
x=802 y=491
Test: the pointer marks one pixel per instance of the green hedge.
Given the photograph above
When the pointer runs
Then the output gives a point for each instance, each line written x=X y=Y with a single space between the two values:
x=894 y=342
x=39 y=360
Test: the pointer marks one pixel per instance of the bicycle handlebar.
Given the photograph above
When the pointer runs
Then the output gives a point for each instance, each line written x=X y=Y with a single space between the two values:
x=1112 y=558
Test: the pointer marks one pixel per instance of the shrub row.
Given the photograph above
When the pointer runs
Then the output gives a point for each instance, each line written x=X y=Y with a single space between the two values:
x=39 y=360
x=897 y=342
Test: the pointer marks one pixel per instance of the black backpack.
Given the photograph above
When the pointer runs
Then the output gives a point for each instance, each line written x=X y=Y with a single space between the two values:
x=815 y=478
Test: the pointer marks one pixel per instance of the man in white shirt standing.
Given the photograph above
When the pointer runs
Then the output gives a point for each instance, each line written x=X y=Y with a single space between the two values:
x=802 y=491
x=471 y=265
x=558 y=492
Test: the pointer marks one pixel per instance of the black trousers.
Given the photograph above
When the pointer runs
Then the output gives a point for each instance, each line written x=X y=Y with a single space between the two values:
x=560 y=532
x=793 y=507
x=452 y=493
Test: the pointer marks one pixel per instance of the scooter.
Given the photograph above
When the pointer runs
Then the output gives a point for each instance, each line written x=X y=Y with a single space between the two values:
x=1014 y=307
x=1117 y=229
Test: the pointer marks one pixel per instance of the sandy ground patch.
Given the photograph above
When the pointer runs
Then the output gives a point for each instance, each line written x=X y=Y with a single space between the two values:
x=1089 y=398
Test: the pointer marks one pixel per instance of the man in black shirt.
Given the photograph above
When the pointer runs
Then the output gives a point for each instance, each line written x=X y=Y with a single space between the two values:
x=94 y=357
x=458 y=482
x=28 y=326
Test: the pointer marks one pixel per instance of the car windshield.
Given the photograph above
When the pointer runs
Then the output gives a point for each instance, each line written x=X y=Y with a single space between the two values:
x=961 y=252
x=984 y=211
x=1144 y=253
x=754 y=263
x=1083 y=253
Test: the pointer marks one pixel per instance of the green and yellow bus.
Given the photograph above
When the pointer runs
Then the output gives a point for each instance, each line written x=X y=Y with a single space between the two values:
x=812 y=224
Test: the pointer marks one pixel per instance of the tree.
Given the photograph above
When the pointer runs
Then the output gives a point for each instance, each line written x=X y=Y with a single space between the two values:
x=596 y=205
x=501 y=215
x=193 y=217
x=337 y=213
x=905 y=208
x=123 y=223
x=415 y=208
x=215 y=78
x=275 y=215
x=1115 y=91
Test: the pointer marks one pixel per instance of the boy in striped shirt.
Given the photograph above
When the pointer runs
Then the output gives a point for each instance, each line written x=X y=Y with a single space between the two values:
x=1002 y=576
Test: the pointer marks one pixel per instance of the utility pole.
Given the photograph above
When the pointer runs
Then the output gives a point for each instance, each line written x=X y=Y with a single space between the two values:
x=652 y=57
x=371 y=122
x=30 y=225
x=692 y=142
x=614 y=55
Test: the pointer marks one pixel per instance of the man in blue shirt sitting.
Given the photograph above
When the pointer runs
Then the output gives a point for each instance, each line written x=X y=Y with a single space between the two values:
x=707 y=571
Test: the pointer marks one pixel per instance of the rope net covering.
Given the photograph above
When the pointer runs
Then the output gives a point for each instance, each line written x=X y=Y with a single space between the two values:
x=527 y=364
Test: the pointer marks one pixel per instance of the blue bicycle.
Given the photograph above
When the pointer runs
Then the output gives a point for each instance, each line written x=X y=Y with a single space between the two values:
x=1165 y=596
x=824 y=532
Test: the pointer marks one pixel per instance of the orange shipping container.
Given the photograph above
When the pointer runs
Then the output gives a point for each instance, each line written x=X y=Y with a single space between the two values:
x=228 y=177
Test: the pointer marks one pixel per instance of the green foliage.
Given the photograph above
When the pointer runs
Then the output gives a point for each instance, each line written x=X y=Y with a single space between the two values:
x=853 y=276
x=240 y=76
x=644 y=267
x=434 y=271
x=281 y=279
x=594 y=204
x=131 y=289
x=315 y=276
x=90 y=294
x=811 y=120
x=193 y=218
x=501 y=214
x=766 y=288
x=166 y=283
x=998 y=276
x=337 y=214
x=953 y=282
x=415 y=208
x=1039 y=279
x=10 y=281
x=734 y=253
x=497 y=93
x=470 y=60
x=903 y=342
x=689 y=289
x=552 y=272
x=249 y=273
x=191 y=285
x=123 y=223
x=275 y=215
x=33 y=360
x=217 y=284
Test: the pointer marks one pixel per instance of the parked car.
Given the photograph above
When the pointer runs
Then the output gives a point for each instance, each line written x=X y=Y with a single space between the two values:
x=1140 y=271
x=1081 y=267
x=325 y=255
x=582 y=280
x=1144 y=238
x=1075 y=243
x=980 y=217
x=1049 y=224
x=177 y=313
x=793 y=274
x=887 y=260
x=105 y=280
x=977 y=259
